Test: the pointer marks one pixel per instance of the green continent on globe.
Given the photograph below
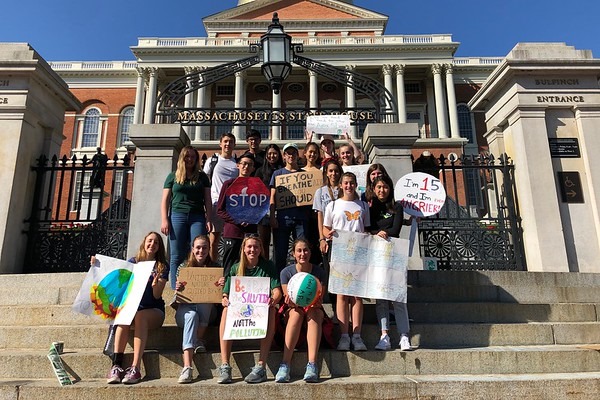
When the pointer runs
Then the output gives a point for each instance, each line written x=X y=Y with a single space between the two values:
x=111 y=292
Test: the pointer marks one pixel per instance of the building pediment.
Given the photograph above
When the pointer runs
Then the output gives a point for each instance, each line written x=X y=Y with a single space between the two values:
x=298 y=16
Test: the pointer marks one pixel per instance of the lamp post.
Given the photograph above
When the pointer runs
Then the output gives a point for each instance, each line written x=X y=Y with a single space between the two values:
x=276 y=54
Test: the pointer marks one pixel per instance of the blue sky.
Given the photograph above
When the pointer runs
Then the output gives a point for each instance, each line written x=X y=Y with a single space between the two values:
x=105 y=30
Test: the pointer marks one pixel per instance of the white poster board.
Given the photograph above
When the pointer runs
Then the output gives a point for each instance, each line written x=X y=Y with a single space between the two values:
x=361 y=176
x=334 y=125
x=248 y=311
x=364 y=265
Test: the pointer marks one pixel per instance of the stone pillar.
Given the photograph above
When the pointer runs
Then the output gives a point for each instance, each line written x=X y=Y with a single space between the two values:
x=431 y=115
x=139 y=97
x=452 y=110
x=400 y=94
x=314 y=90
x=351 y=103
x=149 y=110
x=158 y=148
x=440 y=103
x=240 y=102
x=391 y=145
x=32 y=116
x=202 y=101
x=276 y=126
x=188 y=102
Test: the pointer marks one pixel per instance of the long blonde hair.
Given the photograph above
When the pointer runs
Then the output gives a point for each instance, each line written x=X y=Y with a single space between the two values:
x=243 y=265
x=191 y=261
x=180 y=173
x=160 y=257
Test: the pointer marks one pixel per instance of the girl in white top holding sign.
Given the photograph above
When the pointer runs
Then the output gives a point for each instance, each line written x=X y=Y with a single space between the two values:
x=348 y=213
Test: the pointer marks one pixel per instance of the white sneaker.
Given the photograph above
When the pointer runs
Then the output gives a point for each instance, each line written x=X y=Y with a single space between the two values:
x=344 y=343
x=405 y=343
x=358 y=344
x=384 y=343
x=186 y=375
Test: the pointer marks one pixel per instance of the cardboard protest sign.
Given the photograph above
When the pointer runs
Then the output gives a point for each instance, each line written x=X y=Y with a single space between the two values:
x=247 y=200
x=420 y=194
x=297 y=189
x=248 y=311
x=199 y=285
x=368 y=266
x=112 y=289
x=328 y=124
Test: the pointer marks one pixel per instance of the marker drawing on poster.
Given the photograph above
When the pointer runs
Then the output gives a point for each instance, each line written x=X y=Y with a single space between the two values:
x=334 y=125
x=248 y=311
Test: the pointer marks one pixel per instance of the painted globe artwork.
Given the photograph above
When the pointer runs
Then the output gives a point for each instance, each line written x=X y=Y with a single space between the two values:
x=304 y=289
x=109 y=295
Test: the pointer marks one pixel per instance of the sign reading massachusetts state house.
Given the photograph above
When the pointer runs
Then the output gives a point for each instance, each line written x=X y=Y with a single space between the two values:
x=267 y=116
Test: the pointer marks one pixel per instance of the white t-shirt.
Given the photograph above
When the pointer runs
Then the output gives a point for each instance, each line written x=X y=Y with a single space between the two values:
x=225 y=169
x=344 y=215
x=322 y=198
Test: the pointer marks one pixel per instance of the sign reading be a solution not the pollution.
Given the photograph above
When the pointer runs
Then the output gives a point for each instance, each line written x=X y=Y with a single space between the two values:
x=297 y=189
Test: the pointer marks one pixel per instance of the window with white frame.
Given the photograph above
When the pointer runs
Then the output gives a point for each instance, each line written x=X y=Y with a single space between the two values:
x=126 y=120
x=90 y=132
x=294 y=131
x=117 y=185
x=76 y=199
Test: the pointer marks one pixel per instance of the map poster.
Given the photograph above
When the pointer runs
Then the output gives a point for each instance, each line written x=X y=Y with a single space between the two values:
x=248 y=311
x=364 y=265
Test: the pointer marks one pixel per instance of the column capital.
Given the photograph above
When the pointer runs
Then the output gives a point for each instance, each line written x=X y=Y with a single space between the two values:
x=399 y=69
x=240 y=74
x=436 y=69
x=152 y=71
x=449 y=69
x=189 y=69
x=141 y=72
x=349 y=67
x=387 y=69
x=312 y=73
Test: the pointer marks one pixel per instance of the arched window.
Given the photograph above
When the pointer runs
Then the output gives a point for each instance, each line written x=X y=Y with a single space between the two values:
x=91 y=128
x=126 y=120
x=465 y=123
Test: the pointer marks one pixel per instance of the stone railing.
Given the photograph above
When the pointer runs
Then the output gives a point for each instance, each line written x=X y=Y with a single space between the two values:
x=464 y=61
x=92 y=65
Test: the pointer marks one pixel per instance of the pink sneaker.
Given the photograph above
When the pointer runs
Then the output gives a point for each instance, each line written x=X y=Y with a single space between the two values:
x=115 y=375
x=132 y=375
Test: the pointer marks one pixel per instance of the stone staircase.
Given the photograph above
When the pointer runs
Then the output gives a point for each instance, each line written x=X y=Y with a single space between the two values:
x=479 y=335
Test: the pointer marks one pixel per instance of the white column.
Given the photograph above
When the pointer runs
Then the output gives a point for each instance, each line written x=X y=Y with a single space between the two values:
x=440 y=102
x=400 y=94
x=139 y=97
x=314 y=90
x=149 y=110
x=276 y=128
x=202 y=101
x=188 y=102
x=431 y=114
x=452 y=111
x=240 y=102
x=351 y=103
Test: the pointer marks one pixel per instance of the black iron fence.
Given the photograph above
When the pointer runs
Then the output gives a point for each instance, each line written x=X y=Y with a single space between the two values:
x=479 y=227
x=81 y=207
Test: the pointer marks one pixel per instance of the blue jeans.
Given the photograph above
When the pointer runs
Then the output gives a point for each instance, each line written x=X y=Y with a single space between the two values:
x=281 y=238
x=190 y=317
x=182 y=230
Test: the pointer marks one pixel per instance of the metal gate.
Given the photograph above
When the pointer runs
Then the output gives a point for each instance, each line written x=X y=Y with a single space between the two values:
x=80 y=208
x=479 y=227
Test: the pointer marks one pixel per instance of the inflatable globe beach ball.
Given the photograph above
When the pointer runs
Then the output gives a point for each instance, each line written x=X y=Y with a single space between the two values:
x=304 y=289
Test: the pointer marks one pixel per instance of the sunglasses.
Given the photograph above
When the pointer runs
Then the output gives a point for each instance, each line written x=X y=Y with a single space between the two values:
x=251 y=235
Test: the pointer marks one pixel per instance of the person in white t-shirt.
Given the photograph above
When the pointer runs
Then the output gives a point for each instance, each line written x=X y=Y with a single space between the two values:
x=348 y=213
x=224 y=169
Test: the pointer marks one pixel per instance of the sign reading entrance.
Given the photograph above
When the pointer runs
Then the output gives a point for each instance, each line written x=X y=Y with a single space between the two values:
x=564 y=147
x=571 y=190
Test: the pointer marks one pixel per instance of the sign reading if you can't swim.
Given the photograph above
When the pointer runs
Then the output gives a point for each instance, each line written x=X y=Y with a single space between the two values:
x=420 y=194
x=247 y=200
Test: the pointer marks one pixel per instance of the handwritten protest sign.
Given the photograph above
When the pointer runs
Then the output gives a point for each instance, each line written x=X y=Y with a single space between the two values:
x=297 y=189
x=420 y=194
x=247 y=200
x=112 y=289
x=199 y=285
x=368 y=266
x=328 y=124
x=248 y=311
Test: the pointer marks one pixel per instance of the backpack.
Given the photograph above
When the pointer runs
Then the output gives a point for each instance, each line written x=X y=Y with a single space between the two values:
x=211 y=167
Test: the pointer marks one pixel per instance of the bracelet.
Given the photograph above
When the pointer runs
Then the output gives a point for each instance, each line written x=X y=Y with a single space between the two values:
x=322 y=240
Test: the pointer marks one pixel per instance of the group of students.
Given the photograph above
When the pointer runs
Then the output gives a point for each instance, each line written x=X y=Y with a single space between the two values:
x=193 y=212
